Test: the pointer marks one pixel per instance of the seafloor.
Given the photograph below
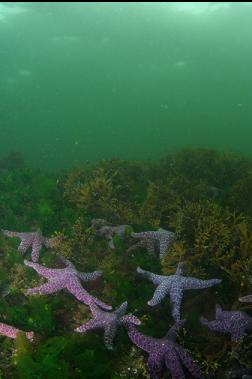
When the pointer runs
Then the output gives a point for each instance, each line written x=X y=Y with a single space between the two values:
x=204 y=196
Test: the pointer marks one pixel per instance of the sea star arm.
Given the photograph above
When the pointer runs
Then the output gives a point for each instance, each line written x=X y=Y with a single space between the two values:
x=148 y=234
x=176 y=294
x=110 y=242
x=246 y=299
x=215 y=325
x=41 y=270
x=160 y=293
x=165 y=243
x=155 y=365
x=172 y=362
x=90 y=325
x=36 y=247
x=189 y=362
x=145 y=343
x=109 y=335
x=24 y=245
x=76 y=289
x=163 y=248
x=11 y=331
x=46 y=289
x=219 y=314
x=95 y=310
x=194 y=283
x=120 y=311
x=156 y=279
x=66 y=261
x=87 y=276
x=173 y=331
x=9 y=233
x=26 y=239
x=30 y=336
x=130 y=319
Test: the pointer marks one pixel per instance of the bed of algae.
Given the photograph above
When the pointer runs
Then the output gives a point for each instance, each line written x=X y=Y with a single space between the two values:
x=204 y=196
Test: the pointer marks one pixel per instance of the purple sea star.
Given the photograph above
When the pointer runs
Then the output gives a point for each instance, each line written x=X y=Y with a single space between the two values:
x=109 y=321
x=11 y=331
x=35 y=240
x=175 y=285
x=165 y=352
x=233 y=322
x=66 y=278
x=156 y=241
x=104 y=229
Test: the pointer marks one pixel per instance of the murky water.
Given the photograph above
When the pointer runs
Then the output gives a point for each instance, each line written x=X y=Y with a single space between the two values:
x=85 y=81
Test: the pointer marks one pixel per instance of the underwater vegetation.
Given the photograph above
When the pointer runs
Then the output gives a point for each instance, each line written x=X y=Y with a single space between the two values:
x=201 y=199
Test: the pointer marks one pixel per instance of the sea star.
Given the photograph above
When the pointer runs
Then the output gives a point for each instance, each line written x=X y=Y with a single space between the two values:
x=11 y=331
x=156 y=241
x=66 y=278
x=109 y=321
x=104 y=229
x=35 y=240
x=246 y=299
x=175 y=285
x=165 y=352
x=233 y=322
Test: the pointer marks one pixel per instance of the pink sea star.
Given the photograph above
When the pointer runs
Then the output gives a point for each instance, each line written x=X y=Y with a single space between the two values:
x=11 y=331
x=35 y=240
x=109 y=321
x=65 y=278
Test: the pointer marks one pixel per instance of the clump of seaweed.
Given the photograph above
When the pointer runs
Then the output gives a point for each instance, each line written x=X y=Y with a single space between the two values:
x=105 y=191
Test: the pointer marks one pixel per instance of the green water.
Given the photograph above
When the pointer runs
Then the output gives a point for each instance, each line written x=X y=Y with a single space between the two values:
x=82 y=81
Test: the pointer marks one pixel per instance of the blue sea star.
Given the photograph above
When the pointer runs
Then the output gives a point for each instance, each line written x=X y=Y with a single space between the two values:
x=175 y=285
x=66 y=278
x=233 y=322
x=109 y=321
x=35 y=240
x=165 y=352
x=156 y=241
